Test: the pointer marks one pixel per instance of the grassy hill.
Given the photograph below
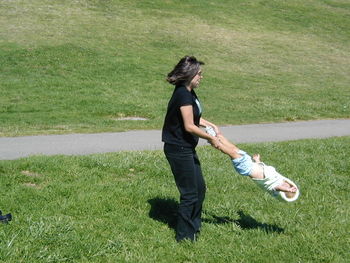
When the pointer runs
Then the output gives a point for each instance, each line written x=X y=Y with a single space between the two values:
x=77 y=66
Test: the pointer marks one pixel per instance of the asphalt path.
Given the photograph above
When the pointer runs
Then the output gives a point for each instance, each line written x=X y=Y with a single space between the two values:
x=82 y=144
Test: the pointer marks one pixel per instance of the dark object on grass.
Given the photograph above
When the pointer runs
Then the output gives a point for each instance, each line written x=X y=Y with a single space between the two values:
x=164 y=210
x=5 y=218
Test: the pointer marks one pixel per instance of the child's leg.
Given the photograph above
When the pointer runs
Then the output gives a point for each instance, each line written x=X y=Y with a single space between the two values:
x=258 y=173
x=287 y=188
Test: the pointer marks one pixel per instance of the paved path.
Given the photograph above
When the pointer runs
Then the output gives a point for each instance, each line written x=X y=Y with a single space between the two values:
x=81 y=144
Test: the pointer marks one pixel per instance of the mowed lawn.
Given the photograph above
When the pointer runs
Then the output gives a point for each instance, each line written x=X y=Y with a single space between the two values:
x=78 y=66
x=121 y=208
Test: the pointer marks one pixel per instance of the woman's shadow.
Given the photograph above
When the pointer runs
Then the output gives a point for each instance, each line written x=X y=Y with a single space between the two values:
x=165 y=210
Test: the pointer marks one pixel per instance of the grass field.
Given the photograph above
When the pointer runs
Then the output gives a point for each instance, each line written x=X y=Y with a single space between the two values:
x=120 y=208
x=76 y=66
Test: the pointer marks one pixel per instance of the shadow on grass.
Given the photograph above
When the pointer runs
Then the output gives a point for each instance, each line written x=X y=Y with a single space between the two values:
x=245 y=222
x=165 y=210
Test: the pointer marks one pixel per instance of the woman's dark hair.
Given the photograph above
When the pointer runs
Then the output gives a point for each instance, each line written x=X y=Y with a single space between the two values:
x=184 y=71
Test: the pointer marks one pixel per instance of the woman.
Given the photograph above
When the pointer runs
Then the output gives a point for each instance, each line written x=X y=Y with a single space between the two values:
x=180 y=135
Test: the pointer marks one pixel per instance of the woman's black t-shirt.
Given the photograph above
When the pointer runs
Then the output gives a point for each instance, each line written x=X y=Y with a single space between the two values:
x=173 y=130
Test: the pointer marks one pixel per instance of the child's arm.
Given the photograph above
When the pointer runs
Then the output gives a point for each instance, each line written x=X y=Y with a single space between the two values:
x=228 y=148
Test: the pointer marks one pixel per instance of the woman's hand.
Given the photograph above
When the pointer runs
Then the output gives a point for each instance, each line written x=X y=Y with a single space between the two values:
x=205 y=123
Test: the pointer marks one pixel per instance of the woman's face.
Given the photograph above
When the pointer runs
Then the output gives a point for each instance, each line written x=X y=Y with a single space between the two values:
x=196 y=79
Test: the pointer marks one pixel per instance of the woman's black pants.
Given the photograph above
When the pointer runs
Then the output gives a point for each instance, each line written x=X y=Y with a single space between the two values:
x=187 y=172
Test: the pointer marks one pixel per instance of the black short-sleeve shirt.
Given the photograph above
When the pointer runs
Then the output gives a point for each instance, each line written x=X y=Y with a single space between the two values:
x=173 y=129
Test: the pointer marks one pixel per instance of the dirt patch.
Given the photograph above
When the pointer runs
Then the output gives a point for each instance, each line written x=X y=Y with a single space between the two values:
x=31 y=174
x=31 y=185
x=131 y=118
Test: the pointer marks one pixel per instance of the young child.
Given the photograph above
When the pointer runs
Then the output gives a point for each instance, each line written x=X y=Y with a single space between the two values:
x=265 y=176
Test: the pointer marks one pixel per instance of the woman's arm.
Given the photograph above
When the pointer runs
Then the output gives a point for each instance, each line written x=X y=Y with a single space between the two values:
x=187 y=116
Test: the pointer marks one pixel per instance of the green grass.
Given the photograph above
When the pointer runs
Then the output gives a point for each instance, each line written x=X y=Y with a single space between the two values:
x=120 y=208
x=76 y=66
